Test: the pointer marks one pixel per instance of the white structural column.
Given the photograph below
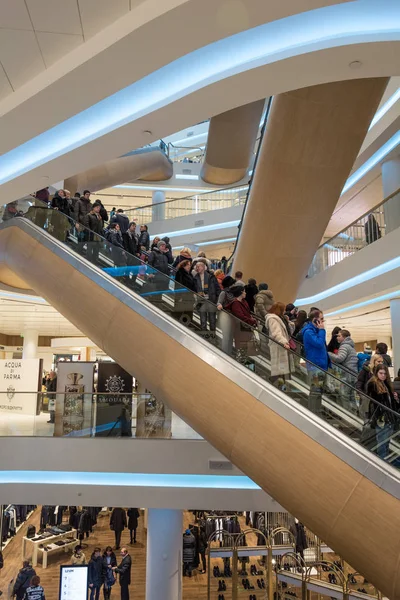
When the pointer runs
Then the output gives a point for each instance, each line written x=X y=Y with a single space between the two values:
x=31 y=340
x=164 y=554
x=158 y=211
x=391 y=183
x=395 y=318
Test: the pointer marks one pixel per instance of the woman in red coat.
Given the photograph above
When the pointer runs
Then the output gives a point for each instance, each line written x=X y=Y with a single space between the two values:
x=242 y=333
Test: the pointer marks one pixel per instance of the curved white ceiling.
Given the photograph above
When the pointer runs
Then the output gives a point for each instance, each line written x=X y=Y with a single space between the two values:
x=308 y=48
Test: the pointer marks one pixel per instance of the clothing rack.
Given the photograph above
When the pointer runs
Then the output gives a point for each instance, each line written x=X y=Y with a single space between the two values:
x=3 y=510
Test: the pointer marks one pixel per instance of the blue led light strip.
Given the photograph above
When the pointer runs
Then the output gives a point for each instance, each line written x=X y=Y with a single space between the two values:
x=164 y=480
x=364 y=21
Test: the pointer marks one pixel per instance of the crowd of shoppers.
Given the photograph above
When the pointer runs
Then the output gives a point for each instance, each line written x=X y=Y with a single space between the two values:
x=103 y=569
x=254 y=307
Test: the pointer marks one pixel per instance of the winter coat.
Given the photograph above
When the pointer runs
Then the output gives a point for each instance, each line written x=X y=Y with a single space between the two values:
x=189 y=548
x=241 y=310
x=130 y=242
x=346 y=356
x=34 y=593
x=115 y=238
x=362 y=358
x=280 y=357
x=387 y=359
x=1 y=560
x=363 y=377
x=396 y=387
x=181 y=258
x=211 y=287
x=85 y=522
x=94 y=222
x=186 y=279
x=124 y=570
x=263 y=302
x=82 y=208
x=376 y=412
x=23 y=581
x=61 y=204
x=372 y=230
x=133 y=516
x=159 y=260
x=95 y=571
x=108 y=574
x=144 y=240
x=168 y=250
x=118 y=519
x=103 y=211
x=251 y=293
x=314 y=341
x=122 y=221
x=226 y=297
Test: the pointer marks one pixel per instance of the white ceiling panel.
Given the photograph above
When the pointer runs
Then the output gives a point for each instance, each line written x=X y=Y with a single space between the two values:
x=97 y=14
x=14 y=15
x=16 y=316
x=20 y=56
x=57 y=16
x=5 y=87
x=55 y=45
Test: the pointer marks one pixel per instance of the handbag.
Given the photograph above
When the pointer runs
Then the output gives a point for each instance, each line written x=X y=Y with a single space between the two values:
x=292 y=344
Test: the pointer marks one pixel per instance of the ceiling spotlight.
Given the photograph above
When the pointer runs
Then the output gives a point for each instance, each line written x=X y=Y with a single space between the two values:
x=356 y=64
x=147 y=132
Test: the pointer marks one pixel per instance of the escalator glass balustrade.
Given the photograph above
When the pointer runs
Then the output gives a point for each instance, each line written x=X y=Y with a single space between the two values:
x=330 y=395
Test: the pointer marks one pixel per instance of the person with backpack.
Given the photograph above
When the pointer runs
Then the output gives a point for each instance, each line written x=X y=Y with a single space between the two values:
x=23 y=580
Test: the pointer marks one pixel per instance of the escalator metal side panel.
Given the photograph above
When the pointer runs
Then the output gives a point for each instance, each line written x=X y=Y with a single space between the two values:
x=308 y=467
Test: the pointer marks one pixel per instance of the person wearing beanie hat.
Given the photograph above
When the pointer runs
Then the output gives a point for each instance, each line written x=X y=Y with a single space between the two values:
x=243 y=335
x=159 y=261
x=225 y=297
x=291 y=312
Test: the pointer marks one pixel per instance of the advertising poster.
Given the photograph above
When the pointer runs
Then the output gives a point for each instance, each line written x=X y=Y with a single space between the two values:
x=74 y=398
x=113 y=409
x=16 y=376
x=73 y=582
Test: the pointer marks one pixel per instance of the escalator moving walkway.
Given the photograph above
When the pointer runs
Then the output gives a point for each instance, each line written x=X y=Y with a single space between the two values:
x=312 y=464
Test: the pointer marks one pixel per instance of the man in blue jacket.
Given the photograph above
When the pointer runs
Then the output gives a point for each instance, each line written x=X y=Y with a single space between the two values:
x=314 y=340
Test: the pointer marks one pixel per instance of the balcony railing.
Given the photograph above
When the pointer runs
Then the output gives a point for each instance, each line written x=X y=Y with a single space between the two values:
x=366 y=230
x=197 y=203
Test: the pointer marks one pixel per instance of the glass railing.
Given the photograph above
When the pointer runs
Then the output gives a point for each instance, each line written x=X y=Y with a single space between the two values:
x=186 y=154
x=330 y=394
x=197 y=203
x=70 y=414
x=365 y=231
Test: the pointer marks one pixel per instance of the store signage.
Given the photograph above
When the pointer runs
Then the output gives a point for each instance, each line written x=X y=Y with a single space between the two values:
x=113 y=408
x=73 y=582
x=17 y=376
x=74 y=398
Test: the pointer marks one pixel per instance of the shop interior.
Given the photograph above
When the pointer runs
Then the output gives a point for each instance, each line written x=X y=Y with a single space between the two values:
x=225 y=555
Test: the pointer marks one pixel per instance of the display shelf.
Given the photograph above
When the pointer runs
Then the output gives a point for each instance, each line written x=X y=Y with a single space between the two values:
x=19 y=527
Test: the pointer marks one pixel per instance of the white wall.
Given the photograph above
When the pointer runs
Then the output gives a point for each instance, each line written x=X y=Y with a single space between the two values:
x=118 y=456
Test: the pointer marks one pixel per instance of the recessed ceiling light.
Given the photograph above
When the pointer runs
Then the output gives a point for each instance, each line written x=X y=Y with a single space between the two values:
x=356 y=64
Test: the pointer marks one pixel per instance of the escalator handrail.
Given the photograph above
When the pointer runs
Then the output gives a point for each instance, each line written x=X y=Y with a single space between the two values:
x=72 y=222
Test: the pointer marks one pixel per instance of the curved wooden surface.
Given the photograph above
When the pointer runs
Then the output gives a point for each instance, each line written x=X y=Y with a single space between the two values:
x=347 y=510
x=312 y=139
x=148 y=164
x=230 y=145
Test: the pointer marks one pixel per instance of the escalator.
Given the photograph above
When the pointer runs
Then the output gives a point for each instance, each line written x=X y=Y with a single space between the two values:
x=320 y=465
